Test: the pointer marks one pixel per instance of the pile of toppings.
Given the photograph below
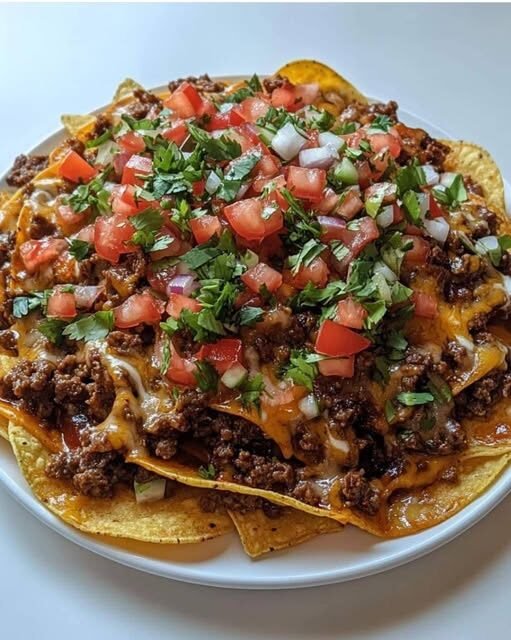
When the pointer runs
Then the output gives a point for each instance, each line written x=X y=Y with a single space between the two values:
x=258 y=247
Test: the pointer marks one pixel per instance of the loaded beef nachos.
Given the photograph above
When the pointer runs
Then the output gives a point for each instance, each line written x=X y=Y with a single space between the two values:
x=267 y=302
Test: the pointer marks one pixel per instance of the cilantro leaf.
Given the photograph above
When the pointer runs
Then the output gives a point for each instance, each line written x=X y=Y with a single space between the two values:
x=237 y=175
x=23 y=305
x=80 y=249
x=222 y=148
x=206 y=376
x=91 y=327
x=452 y=195
x=412 y=206
x=308 y=253
x=302 y=368
x=248 y=316
x=410 y=178
x=207 y=473
x=251 y=390
x=381 y=123
x=52 y=329
x=92 y=195
x=411 y=399
x=165 y=358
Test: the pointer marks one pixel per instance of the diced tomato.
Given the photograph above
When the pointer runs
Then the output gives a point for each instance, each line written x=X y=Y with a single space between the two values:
x=120 y=161
x=413 y=230
x=125 y=203
x=198 y=188
x=342 y=367
x=136 y=167
x=426 y=306
x=86 y=234
x=285 y=96
x=66 y=217
x=131 y=142
x=177 y=133
x=254 y=108
x=111 y=237
x=307 y=93
x=207 y=108
x=317 y=273
x=350 y=205
x=246 y=218
x=178 y=302
x=364 y=174
x=181 y=370
x=312 y=139
x=61 y=305
x=351 y=314
x=261 y=275
x=247 y=298
x=419 y=253
x=384 y=141
x=331 y=228
x=306 y=183
x=222 y=354
x=398 y=215
x=204 y=228
x=357 y=239
x=74 y=168
x=329 y=201
x=380 y=163
x=335 y=340
x=185 y=101
x=232 y=118
x=35 y=253
x=160 y=278
x=435 y=210
x=267 y=167
x=140 y=308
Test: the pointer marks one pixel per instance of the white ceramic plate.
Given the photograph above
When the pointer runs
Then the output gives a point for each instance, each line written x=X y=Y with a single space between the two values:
x=326 y=559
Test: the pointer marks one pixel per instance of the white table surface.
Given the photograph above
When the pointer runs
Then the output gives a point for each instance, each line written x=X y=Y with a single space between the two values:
x=448 y=64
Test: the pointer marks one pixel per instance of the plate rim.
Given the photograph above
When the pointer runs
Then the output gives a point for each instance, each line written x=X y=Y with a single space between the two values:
x=438 y=535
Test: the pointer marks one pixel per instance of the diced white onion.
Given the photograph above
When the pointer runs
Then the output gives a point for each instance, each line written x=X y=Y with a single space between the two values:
x=250 y=258
x=446 y=179
x=437 y=229
x=383 y=269
x=318 y=158
x=288 y=142
x=309 y=406
x=328 y=138
x=150 y=491
x=385 y=217
x=423 y=199
x=465 y=342
x=243 y=190
x=507 y=284
x=337 y=443
x=234 y=376
x=225 y=107
x=431 y=174
x=490 y=243
x=212 y=183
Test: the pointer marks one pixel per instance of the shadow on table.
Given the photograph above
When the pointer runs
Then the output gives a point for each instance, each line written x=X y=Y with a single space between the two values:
x=344 y=610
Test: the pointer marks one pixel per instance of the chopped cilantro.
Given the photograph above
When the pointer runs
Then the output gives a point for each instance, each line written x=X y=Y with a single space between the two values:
x=412 y=206
x=390 y=411
x=91 y=327
x=52 y=329
x=222 y=148
x=410 y=178
x=79 y=249
x=411 y=399
x=248 y=316
x=92 y=195
x=170 y=326
x=95 y=142
x=302 y=368
x=165 y=358
x=308 y=253
x=206 y=376
x=452 y=195
x=251 y=390
x=237 y=175
x=381 y=123
x=207 y=473
x=23 y=305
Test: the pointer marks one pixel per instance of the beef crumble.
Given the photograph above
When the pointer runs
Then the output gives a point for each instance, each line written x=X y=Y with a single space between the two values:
x=202 y=83
x=359 y=493
x=144 y=104
x=212 y=501
x=24 y=169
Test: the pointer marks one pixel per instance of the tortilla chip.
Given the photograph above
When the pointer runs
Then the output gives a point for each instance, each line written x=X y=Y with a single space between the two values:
x=174 y=520
x=125 y=89
x=423 y=508
x=310 y=71
x=474 y=161
x=75 y=124
x=260 y=534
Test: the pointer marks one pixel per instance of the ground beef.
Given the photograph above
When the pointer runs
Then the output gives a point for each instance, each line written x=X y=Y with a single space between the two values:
x=163 y=447
x=6 y=246
x=414 y=369
x=472 y=186
x=212 y=501
x=144 y=103
x=185 y=342
x=308 y=443
x=454 y=353
x=40 y=227
x=275 y=82
x=445 y=437
x=486 y=223
x=9 y=342
x=102 y=124
x=202 y=83
x=263 y=473
x=358 y=493
x=31 y=383
x=24 y=169
x=75 y=145
x=123 y=279
x=93 y=473
x=125 y=343
x=365 y=113
x=417 y=143
x=275 y=343
x=481 y=396
x=306 y=492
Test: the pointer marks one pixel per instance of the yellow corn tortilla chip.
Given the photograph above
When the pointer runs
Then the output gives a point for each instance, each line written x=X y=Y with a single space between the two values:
x=260 y=534
x=75 y=124
x=474 y=161
x=309 y=71
x=174 y=520
x=423 y=508
x=125 y=89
